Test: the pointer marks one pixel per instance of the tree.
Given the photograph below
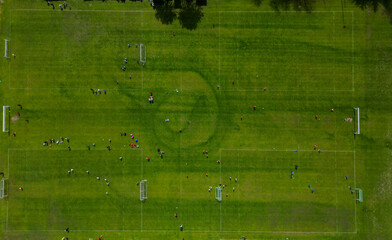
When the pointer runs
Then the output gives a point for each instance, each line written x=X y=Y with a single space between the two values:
x=188 y=12
x=257 y=2
x=165 y=13
x=190 y=15
x=298 y=5
x=386 y=5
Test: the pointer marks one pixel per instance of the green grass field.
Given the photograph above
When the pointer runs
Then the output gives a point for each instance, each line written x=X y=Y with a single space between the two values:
x=291 y=65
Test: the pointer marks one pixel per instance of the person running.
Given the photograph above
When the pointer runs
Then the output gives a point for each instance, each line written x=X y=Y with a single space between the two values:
x=88 y=147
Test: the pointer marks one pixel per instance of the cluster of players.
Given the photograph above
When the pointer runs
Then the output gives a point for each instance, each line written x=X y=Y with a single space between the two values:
x=61 y=6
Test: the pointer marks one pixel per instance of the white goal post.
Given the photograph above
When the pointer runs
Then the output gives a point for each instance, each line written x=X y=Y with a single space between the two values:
x=6 y=55
x=142 y=53
x=5 y=118
x=143 y=190
x=218 y=194
x=358 y=125
x=3 y=187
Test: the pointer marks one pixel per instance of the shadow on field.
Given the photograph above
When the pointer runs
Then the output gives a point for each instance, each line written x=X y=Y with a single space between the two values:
x=165 y=14
x=190 y=16
x=189 y=13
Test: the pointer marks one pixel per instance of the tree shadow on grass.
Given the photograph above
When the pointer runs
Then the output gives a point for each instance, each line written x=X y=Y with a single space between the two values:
x=257 y=3
x=190 y=16
x=165 y=14
x=298 y=5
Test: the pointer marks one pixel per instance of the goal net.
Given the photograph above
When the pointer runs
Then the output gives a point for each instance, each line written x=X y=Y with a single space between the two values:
x=6 y=115
x=3 y=187
x=358 y=126
x=143 y=190
x=142 y=53
x=218 y=194
x=6 y=51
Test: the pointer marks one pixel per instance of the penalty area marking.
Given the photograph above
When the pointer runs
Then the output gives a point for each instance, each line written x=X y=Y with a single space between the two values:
x=189 y=231
x=287 y=150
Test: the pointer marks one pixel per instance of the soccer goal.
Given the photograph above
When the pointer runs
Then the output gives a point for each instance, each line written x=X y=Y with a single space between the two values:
x=218 y=194
x=3 y=188
x=358 y=126
x=6 y=51
x=6 y=111
x=143 y=190
x=142 y=53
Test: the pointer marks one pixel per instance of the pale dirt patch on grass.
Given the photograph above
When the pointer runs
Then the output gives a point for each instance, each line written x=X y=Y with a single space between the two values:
x=15 y=118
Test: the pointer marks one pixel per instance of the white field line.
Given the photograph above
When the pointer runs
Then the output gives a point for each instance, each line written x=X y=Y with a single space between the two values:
x=280 y=12
x=352 y=52
x=141 y=203
x=145 y=49
x=8 y=186
x=355 y=186
x=334 y=53
x=130 y=11
x=72 y=149
x=10 y=47
x=287 y=90
x=189 y=231
x=109 y=89
x=284 y=150
x=81 y=10
x=237 y=48
x=219 y=53
x=220 y=181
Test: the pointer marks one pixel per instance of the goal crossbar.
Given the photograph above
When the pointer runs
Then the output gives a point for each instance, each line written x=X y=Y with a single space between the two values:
x=6 y=48
x=358 y=124
x=218 y=194
x=5 y=118
x=143 y=190
x=2 y=188
x=142 y=53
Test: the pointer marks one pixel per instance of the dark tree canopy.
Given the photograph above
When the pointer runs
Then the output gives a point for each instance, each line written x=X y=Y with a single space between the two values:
x=190 y=15
x=298 y=5
x=188 y=12
x=257 y=2
x=165 y=13
x=385 y=5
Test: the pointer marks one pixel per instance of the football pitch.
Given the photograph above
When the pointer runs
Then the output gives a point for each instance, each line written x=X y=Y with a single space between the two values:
x=255 y=103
